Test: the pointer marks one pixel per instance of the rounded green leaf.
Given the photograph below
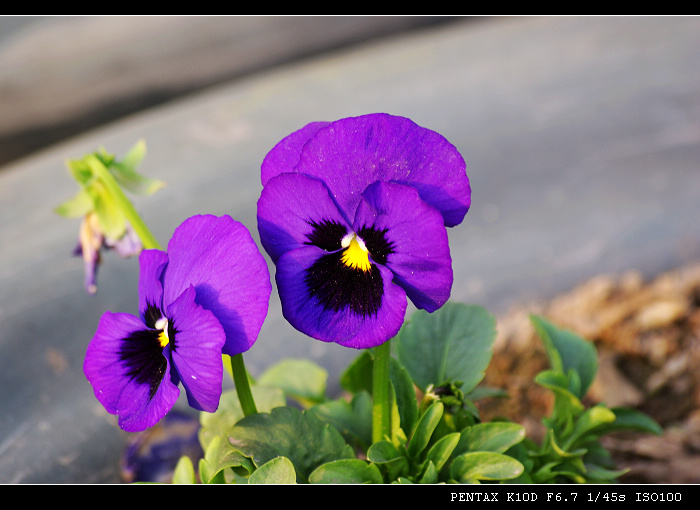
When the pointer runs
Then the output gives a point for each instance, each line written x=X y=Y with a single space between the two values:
x=474 y=466
x=353 y=419
x=219 y=423
x=301 y=379
x=382 y=452
x=289 y=432
x=491 y=437
x=184 y=471
x=454 y=343
x=279 y=470
x=346 y=471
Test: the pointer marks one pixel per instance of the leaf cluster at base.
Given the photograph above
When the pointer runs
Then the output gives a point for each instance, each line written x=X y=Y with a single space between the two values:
x=437 y=434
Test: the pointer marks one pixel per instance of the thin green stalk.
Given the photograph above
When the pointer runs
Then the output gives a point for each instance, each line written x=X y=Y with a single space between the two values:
x=381 y=393
x=148 y=240
x=240 y=379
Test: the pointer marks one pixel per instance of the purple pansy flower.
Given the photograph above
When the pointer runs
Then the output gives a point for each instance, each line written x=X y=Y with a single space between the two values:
x=353 y=214
x=207 y=295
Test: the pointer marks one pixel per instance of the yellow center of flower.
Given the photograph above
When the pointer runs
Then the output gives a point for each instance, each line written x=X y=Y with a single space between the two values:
x=356 y=254
x=162 y=324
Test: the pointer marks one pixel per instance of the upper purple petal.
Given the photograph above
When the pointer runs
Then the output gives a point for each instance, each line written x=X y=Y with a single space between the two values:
x=420 y=253
x=196 y=351
x=350 y=154
x=151 y=266
x=218 y=256
x=113 y=382
x=288 y=208
x=285 y=155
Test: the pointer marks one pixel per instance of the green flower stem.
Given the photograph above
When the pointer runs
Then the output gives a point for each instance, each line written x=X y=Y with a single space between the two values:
x=381 y=393
x=147 y=239
x=240 y=379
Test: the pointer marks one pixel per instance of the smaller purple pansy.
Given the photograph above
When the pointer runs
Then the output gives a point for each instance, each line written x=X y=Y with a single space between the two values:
x=208 y=294
x=353 y=214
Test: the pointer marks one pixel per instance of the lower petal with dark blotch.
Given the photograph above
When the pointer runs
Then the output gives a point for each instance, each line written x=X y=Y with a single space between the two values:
x=360 y=312
x=128 y=372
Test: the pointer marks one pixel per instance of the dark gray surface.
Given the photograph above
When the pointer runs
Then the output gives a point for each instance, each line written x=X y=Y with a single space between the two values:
x=582 y=142
x=61 y=76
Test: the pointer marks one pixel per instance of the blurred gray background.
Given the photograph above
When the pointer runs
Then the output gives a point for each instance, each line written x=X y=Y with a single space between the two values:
x=581 y=136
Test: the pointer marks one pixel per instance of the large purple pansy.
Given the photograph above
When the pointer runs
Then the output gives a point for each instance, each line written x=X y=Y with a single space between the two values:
x=207 y=295
x=353 y=214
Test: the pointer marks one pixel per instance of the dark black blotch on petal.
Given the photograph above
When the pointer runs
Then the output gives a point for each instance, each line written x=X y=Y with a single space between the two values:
x=326 y=234
x=151 y=315
x=377 y=244
x=339 y=287
x=143 y=358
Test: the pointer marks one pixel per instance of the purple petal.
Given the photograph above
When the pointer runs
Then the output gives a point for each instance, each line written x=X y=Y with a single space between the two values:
x=218 y=256
x=89 y=243
x=420 y=256
x=285 y=155
x=350 y=154
x=196 y=354
x=288 y=207
x=111 y=375
x=308 y=314
x=151 y=266
x=127 y=245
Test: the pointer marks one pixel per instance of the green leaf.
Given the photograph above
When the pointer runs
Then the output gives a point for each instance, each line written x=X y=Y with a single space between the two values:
x=289 y=432
x=300 y=379
x=346 y=471
x=591 y=419
x=631 y=419
x=599 y=474
x=279 y=470
x=387 y=456
x=424 y=429
x=454 y=343
x=382 y=452
x=568 y=351
x=229 y=412
x=184 y=471
x=441 y=451
x=357 y=377
x=474 y=466
x=124 y=171
x=135 y=155
x=80 y=171
x=405 y=392
x=430 y=473
x=111 y=217
x=494 y=436
x=218 y=456
x=352 y=419
x=76 y=207
x=567 y=404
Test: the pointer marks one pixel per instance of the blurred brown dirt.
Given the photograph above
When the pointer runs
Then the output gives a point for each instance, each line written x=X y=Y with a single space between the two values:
x=648 y=339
